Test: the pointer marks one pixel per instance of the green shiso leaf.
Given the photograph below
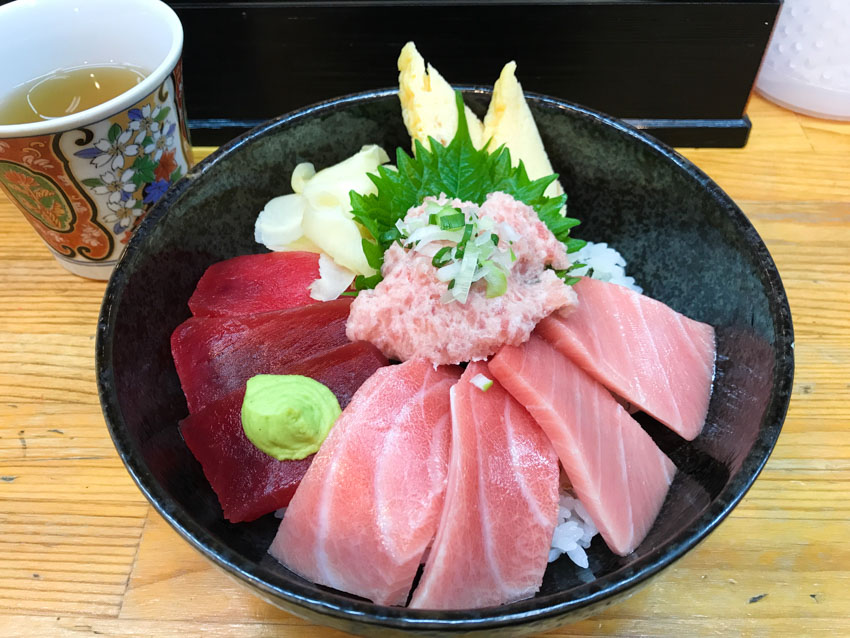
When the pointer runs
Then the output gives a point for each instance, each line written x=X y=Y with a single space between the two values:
x=373 y=252
x=458 y=170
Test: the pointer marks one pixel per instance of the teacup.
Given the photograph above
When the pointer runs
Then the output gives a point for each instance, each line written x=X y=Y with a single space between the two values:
x=85 y=181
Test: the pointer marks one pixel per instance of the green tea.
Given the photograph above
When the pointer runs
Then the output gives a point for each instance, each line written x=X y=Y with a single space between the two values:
x=67 y=91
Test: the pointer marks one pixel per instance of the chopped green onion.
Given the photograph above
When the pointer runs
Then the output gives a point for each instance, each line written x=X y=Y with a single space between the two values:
x=467 y=271
x=473 y=253
x=452 y=222
x=442 y=257
x=467 y=233
x=484 y=251
x=497 y=281
x=481 y=382
x=433 y=207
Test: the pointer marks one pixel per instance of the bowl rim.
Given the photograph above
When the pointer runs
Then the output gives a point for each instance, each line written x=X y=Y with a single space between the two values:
x=533 y=610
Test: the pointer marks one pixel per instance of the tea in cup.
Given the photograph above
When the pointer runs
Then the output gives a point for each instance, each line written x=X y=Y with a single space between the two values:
x=93 y=127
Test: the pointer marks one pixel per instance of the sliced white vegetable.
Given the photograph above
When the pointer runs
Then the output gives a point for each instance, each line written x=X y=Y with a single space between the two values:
x=507 y=232
x=337 y=235
x=486 y=223
x=481 y=382
x=301 y=174
x=431 y=233
x=432 y=207
x=502 y=258
x=280 y=222
x=330 y=187
x=463 y=281
x=410 y=226
x=333 y=280
x=484 y=239
x=430 y=250
x=448 y=272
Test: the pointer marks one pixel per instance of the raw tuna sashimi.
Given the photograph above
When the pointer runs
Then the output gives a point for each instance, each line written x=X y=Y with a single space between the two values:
x=216 y=355
x=615 y=468
x=248 y=482
x=501 y=503
x=368 y=507
x=640 y=349
x=255 y=283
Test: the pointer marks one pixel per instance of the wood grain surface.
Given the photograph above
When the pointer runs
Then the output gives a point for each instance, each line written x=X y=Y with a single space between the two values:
x=82 y=553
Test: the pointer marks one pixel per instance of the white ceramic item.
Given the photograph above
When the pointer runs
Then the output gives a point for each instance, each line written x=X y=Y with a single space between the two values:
x=807 y=64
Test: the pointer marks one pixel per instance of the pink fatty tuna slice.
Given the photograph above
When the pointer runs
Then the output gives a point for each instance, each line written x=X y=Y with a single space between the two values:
x=640 y=349
x=369 y=505
x=501 y=505
x=615 y=468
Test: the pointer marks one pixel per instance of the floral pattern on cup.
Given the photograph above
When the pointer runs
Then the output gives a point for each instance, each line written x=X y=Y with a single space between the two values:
x=136 y=164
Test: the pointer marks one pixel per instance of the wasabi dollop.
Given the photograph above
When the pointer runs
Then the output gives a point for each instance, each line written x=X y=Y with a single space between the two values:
x=288 y=416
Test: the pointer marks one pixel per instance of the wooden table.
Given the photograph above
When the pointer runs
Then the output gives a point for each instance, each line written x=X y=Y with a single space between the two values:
x=82 y=552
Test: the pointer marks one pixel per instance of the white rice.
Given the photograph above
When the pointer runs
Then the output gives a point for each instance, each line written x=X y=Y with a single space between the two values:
x=607 y=264
x=574 y=530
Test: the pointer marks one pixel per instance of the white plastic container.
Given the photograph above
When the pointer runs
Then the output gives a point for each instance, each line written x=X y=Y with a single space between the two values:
x=807 y=64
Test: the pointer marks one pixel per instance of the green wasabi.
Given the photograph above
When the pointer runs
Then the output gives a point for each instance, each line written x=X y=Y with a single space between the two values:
x=288 y=416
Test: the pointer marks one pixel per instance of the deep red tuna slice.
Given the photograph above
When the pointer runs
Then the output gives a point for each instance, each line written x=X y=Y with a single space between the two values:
x=640 y=349
x=615 y=468
x=255 y=283
x=248 y=482
x=216 y=355
x=501 y=505
x=368 y=507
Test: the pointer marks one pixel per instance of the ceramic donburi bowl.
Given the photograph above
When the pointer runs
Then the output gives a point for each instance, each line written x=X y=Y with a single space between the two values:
x=686 y=243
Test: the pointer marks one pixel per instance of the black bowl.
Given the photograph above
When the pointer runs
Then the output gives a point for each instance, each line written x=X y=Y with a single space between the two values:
x=686 y=243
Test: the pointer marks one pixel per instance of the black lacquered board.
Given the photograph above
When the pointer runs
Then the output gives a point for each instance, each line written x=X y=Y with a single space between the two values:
x=679 y=69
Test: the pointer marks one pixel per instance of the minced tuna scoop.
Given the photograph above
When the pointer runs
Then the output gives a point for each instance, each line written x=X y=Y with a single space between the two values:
x=405 y=316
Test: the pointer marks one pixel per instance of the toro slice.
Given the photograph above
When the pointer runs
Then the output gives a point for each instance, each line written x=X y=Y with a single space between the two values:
x=640 y=349
x=368 y=507
x=501 y=503
x=615 y=468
